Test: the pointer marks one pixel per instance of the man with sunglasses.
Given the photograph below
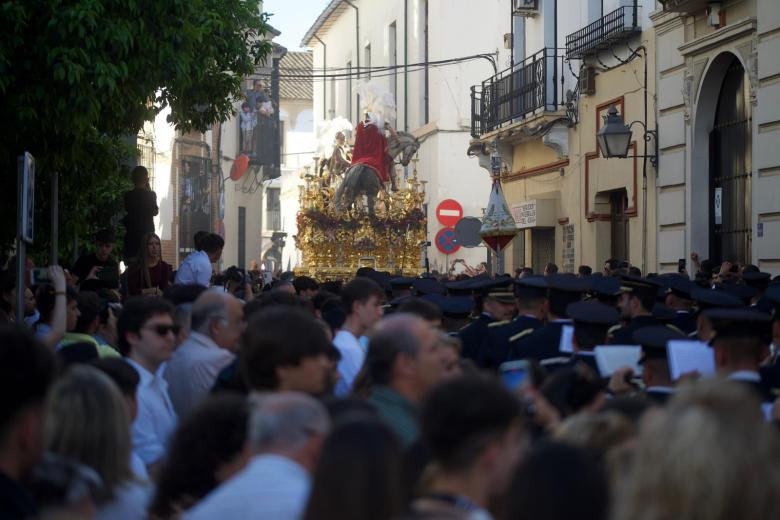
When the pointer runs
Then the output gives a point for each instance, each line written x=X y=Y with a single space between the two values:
x=147 y=339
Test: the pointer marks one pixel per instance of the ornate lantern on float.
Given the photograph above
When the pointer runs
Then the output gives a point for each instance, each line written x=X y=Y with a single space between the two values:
x=498 y=226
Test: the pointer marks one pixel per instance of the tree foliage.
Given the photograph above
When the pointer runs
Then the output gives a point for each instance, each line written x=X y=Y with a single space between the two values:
x=78 y=76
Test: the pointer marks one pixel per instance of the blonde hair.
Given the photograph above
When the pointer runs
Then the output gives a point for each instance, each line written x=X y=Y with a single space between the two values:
x=88 y=422
x=709 y=456
x=143 y=259
x=601 y=432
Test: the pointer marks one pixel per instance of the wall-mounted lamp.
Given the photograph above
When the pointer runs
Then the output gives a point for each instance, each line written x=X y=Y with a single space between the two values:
x=614 y=137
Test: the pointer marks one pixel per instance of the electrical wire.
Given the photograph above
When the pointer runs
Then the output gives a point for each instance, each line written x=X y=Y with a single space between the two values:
x=375 y=72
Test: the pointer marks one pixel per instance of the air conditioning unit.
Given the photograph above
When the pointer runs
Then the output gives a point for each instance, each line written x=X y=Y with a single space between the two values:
x=587 y=81
x=525 y=7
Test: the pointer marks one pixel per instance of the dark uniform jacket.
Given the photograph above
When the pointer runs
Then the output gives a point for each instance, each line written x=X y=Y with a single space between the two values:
x=685 y=321
x=474 y=335
x=499 y=335
x=543 y=343
x=625 y=335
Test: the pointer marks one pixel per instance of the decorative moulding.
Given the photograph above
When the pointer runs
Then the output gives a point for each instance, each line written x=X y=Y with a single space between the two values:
x=719 y=38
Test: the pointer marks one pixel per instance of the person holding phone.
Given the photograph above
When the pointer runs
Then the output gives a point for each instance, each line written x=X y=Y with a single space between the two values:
x=99 y=264
x=141 y=208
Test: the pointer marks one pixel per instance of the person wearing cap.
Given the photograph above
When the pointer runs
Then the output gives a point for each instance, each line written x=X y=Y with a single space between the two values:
x=401 y=286
x=635 y=304
x=711 y=299
x=680 y=300
x=531 y=299
x=592 y=321
x=760 y=282
x=770 y=371
x=740 y=344
x=498 y=305
x=455 y=311
x=544 y=342
x=656 y=375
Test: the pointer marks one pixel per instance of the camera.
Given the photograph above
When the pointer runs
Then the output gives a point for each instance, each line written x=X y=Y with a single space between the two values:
x=39 y=275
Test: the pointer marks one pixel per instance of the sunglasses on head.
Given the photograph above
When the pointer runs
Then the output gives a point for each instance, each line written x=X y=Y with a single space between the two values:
x=163 y=329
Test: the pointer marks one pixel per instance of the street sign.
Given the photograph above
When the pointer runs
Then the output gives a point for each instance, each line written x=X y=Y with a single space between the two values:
x=467 y=232
x=446 y=241
x=449 y=212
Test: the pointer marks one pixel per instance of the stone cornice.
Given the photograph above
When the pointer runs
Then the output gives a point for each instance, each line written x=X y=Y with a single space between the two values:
x=719 y=37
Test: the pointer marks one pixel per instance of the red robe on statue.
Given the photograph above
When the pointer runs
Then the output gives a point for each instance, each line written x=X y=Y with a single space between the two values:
x=371 y=150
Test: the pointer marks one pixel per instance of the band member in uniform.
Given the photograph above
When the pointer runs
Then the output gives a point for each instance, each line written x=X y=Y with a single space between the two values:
x=498 y=304
x=636 y=304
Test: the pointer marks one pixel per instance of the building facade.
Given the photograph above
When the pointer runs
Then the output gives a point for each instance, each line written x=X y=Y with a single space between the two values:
x=572 y=61
x=718 y=75
x=420 y=49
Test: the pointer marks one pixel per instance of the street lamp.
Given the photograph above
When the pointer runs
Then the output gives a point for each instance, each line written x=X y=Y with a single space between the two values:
x=614 y=138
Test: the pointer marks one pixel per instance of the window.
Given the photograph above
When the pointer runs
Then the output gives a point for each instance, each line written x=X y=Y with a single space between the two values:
x=393 y=55
x=241 y=237
x=348 y=97
x=618 y=203
x=518 y=251
x=368 y=60
x=542 y=248
x=273 y=209
x=282 y=141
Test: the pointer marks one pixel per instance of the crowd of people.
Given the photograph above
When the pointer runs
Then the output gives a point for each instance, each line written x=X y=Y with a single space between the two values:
x=165 y=394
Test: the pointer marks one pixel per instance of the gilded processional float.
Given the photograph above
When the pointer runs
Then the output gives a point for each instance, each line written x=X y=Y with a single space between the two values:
x=353 y=211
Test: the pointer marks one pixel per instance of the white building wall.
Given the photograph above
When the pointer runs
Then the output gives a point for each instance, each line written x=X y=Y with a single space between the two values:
x=456 y=29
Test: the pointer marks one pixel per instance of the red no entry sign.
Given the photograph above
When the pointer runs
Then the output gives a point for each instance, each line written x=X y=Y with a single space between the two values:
x=449 y=212
x=446 y=241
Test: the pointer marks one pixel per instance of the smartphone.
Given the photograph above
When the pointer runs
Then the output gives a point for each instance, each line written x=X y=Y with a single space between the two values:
x=681 y=265
x=39 y=275
x=513 y=374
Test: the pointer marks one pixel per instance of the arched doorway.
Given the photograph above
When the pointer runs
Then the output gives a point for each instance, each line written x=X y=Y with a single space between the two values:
x=730 y=170
x=721 y=165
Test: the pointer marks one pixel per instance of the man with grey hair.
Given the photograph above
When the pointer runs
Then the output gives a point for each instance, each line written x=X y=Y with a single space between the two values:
x=403 y=362
x=286 y=431
x=217 y=321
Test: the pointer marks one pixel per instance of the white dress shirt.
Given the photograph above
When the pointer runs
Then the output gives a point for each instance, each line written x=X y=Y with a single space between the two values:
x=271 y=487
x=195 y=269
x=156 y=418
x=130 y=502
x=352 y=357
x=192 y=370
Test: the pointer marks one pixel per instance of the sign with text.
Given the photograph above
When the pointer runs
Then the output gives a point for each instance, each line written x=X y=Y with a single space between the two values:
x=524 y=214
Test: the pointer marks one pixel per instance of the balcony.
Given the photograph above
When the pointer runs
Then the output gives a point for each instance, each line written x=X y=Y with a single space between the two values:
x=535 y=85
x=619 y=25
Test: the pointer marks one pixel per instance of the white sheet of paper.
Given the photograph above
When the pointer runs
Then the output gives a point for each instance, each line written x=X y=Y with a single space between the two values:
x=609 y=358
x=565 y=344
x=687 y=356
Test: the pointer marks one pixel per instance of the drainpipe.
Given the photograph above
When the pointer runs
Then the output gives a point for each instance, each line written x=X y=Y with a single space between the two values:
x=324 y=83
x=357 y=50
x=406 y=62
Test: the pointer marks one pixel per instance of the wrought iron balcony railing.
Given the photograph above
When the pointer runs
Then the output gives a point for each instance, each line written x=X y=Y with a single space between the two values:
x=536 y=84
x=616 y=26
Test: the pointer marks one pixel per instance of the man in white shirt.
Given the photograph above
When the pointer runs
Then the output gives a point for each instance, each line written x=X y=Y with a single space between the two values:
x=196 y=268
x=217 y=322
x=286 y=432
x=147 y=339
x=362 y=299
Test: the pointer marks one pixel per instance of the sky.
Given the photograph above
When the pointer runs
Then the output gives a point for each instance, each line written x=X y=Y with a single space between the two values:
x=293 y=18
